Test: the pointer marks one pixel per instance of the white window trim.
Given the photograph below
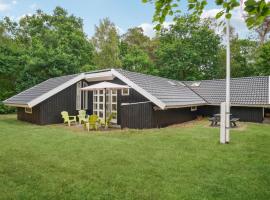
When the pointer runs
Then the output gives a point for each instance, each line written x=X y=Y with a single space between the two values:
x=85 y=97
x=193 y=108
x=79 y=96
x=123 y=94
x=28 y=111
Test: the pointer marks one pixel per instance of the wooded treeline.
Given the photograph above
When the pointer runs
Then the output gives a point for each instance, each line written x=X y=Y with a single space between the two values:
x=44 y=45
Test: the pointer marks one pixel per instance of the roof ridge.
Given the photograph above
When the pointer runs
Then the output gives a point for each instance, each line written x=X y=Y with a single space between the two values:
x=234 y=78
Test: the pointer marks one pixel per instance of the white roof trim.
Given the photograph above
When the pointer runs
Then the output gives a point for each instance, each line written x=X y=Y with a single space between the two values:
x=99 y=76
x=186 y=106
x=16 y=105
x=55 y=90
x=139 y=89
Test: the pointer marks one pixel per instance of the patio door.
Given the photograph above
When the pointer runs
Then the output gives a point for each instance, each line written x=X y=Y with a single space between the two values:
x=99 y=103
x=99 y=107
x=111 y=104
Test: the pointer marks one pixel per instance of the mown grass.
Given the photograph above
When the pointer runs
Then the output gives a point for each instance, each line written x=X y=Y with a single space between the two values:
x=53 y=162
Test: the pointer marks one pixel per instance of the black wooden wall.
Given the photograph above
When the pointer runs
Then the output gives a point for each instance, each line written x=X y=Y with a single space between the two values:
x=137 y=116
x=164 y=118
x=246 y=114
x=142 y=115
x=33 y=117
x=49 y=111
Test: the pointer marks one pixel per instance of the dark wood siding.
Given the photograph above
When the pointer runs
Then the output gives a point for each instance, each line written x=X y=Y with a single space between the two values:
x=63 y=101
x=137 y=116
x=143 y=115
x=49 y=111
x=246 y=114
x=33 y=117
x=164 y=118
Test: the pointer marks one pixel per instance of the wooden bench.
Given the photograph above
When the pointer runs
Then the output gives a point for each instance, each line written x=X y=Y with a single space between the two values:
x=233 y=122
x=213 y=121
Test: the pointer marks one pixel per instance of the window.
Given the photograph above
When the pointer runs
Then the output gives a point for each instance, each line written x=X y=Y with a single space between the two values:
x=85 y=97
x=28 y=110
x=79 y=96
x=193 y=108
x=125 y=92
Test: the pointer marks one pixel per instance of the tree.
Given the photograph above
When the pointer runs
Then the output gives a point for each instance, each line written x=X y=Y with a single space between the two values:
x=242 y=58
x=11 y=63
x=39 y=47
x=106 y=43
x=188 y=50
x=257 y=11
x=137 y=51
x=263 y=30
x=135 y=59
x=56 y=44
x=134 y=36
x=262 y=60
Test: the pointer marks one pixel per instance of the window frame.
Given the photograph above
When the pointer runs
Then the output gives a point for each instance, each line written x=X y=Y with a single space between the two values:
x=125 y=94
x=78 y=96
x=28 y=111
x=193 y=108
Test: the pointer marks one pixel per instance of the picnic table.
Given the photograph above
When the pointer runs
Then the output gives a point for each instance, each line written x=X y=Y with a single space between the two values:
x=216 y=119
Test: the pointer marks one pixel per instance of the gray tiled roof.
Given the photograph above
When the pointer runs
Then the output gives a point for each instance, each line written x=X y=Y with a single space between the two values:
x=244 y=91
x=162 y=89
x=32 y=93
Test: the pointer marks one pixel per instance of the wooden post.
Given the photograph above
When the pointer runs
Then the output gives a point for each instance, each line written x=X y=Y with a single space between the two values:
x=223 y=123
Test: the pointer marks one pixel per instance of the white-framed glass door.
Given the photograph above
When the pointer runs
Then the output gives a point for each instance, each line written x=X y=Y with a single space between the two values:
x=99 y=103
x=111 y=104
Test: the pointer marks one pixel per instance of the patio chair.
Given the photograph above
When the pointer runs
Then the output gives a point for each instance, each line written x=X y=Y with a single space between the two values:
x=93 y=122
x=82 y=116
x=68 y=119
x=107 y=123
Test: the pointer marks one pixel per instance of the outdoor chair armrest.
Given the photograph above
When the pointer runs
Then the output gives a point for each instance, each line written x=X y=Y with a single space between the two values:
x=211 y=118
x=235 y=119
x=74 y=117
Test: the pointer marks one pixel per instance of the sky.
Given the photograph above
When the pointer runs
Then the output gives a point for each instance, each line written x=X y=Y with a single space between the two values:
x=124 y=13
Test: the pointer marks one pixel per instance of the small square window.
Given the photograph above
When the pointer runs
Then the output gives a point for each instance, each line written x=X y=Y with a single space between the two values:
x=28 y=110
x=193 y=108
x=125 y=92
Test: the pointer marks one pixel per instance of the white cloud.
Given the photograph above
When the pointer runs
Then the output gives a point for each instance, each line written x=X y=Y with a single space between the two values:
x=14 y=2
x=4 y=6
x=24 y=15
x=120 y=30
x=148 y=28
x=237 y=20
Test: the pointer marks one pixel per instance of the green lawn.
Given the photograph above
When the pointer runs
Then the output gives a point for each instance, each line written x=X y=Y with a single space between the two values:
x=54 y=162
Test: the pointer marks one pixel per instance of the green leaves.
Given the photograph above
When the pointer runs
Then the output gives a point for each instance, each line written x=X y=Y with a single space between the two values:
x=219 y=14
x=257 y=12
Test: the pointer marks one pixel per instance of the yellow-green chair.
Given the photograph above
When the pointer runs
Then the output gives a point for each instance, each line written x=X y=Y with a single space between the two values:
x=93 y=122
x=107 y=123
x=82 y=116
x=68 y=119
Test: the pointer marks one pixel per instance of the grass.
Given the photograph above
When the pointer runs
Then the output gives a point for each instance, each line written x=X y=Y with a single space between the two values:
x=186 y=162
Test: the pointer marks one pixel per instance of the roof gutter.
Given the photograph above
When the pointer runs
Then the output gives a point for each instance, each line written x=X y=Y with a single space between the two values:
x=16 y=105
x=185 y=106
